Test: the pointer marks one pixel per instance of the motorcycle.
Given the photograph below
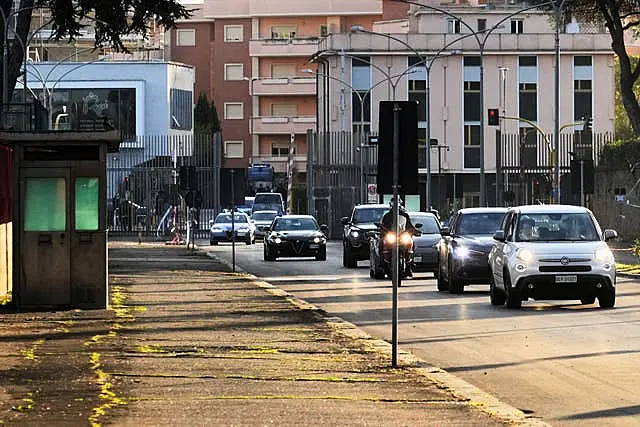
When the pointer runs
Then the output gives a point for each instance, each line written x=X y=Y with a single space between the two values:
x=381 y=263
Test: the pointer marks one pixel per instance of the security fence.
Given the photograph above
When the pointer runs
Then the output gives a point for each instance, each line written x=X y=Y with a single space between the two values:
x=150 y=174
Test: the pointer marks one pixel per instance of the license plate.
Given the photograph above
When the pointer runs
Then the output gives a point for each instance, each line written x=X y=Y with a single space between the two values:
x=417 y=259
x=313 y=246
x=566 y=279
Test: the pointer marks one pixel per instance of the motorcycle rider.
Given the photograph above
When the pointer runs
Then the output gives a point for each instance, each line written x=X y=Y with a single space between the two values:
x=404 y=224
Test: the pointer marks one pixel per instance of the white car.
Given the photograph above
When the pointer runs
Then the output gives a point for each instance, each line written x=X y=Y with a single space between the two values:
x=262 y=220
x=552 y=252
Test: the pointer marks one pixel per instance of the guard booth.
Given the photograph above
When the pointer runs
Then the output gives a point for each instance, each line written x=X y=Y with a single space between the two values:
x=59 y=218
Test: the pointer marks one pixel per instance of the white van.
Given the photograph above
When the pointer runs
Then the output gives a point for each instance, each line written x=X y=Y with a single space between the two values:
x=268 y=202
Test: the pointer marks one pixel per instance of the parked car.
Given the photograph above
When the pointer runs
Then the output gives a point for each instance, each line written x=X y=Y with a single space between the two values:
x=355 y=242
x=425 y=253
x=262 y=220
x=552 y=252
x=295 y=236
x=220 y=230
x=465 y=246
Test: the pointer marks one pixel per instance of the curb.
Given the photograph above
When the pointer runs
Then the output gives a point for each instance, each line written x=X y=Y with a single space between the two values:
x=474 y=396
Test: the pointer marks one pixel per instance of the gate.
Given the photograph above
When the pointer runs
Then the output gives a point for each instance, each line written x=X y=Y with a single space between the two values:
x=339 y=168
x=143 y=185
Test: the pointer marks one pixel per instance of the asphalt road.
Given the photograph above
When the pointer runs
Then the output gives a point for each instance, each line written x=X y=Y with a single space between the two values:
x=569 y=364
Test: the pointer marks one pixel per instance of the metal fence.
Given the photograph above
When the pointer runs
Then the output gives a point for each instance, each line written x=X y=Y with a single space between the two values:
x=143 y=182
x=339 y=168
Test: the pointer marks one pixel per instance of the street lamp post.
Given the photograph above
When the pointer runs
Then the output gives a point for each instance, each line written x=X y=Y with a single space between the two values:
x=557 y=14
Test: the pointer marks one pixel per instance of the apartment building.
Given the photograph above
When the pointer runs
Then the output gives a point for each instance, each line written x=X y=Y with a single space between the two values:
x=250 y=58
x=508 y=47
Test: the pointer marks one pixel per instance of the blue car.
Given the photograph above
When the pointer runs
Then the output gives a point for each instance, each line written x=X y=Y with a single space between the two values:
x=220 y=230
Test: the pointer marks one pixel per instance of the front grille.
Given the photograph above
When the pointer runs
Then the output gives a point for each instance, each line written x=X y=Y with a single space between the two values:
x=564 y=268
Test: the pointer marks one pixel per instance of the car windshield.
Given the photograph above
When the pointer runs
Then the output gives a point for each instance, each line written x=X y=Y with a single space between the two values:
x=264 y=216
x=553 y=227
x=429 y=223
x=368 y=215
x=226 y=218
x=479 y=223
x=293 y=224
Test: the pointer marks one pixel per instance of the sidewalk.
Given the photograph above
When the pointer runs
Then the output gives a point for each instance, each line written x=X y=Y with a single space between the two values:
x=186 y=342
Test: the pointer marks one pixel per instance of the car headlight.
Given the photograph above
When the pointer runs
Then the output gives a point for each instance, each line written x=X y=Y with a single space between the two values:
x=216 y=229
x=526 y=255
x=355 y=234
x=390 y=238
x=277 y=240
x=604 y=255
x=461 y=251
x=317 y=239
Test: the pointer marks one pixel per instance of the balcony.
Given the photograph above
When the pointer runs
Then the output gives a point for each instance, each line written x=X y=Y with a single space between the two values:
x=285 y=86
x=284 y=47
x=266 y=125
x=279 y=163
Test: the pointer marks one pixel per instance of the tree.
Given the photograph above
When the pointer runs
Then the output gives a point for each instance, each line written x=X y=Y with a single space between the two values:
x=623 y=130
x=206 y=116
x=111 y=19
x=621 y=18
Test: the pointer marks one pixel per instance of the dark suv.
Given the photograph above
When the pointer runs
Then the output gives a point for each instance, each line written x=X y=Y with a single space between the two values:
x=355 y=243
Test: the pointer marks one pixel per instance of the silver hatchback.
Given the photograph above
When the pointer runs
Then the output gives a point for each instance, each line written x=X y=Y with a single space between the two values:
x=552 y=252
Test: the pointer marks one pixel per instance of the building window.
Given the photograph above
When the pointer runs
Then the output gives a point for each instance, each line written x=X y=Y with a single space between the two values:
x=471 y=146
x=418 y=93
x=482 y=25
x=233 y=71
x=280 y=149
x=181 y=109
x=283 y=32
x=233 y=149
x=453 y=26
x=186 y=37
x=283 y=70
x=582 y=88
x=233 y=111
x=528 y=87
x=472 y=101
x=324 y=31
x=233 y=33
x=284 y=110
x=517 y=26
x=361 y=100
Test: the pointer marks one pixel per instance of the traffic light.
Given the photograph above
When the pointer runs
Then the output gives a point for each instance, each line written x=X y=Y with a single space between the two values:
x=126 y=183
x=494 y=117
x=589 y=124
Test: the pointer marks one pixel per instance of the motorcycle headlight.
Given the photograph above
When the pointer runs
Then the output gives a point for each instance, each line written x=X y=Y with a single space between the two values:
x=355 y=234
x=604 y=255
x=390 y=238
x=526 y=255
x=406 y=239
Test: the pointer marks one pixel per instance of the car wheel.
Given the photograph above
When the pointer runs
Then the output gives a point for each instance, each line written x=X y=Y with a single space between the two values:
x=496 y=295
x=268 y=256
x=322 y=254
x=349 y=260
x=455 y=285
x=443 y=285
x=588 y=300
x=213 y=242
x=512 y=295
x=607 y=299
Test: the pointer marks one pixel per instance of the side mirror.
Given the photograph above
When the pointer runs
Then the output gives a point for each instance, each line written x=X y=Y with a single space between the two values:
x=344 y=220
x=445 y=231
x=210 y=222
x=418 y=225
x=610 y=234
x=324 y=228
x=499 y=236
